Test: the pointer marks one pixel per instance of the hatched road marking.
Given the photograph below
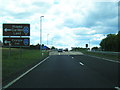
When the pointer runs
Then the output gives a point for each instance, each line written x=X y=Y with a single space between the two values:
x=65 y=53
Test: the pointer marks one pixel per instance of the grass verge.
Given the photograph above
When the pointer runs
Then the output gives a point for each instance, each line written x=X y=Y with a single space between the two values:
x=19 y=60
x=102 y=55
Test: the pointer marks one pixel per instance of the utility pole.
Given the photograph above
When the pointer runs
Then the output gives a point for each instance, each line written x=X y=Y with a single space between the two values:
x=41 y=32
x=47 y=38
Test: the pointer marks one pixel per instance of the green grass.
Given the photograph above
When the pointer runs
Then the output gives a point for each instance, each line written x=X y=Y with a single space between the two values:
x=102 y=55
x=16 y=62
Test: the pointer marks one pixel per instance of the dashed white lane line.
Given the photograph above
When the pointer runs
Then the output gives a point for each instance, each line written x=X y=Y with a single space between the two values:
x=81 y=63
x=12 y=82
x=117 y=88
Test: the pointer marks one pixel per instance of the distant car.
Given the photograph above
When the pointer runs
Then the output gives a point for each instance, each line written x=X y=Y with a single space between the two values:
x=60 y=50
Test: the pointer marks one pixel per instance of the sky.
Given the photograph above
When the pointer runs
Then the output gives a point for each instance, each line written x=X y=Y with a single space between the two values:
x=66 y=23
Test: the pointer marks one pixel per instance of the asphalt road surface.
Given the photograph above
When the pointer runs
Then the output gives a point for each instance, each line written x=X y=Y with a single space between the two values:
x=71 y=71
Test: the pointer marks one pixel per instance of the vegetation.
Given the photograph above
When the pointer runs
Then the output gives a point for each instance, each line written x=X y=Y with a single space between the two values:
x=38 y=47
x=35 y=47
x=111 y=42
x=95 y=48
x=98 y=54
x=52 y=47
x=19 y=59
x=78 y=49
x=102 y=55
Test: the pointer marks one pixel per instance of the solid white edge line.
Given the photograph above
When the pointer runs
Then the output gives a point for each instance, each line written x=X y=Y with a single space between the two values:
x=12 y=82
x=104 y=59
x=117 y=88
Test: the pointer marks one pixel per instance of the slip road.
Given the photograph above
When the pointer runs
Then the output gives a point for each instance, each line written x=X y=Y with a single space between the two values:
x=71 y=71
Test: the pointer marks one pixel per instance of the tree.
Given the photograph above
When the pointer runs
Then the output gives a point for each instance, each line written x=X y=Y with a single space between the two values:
x=95 y=48
x=0 y=43
x=102 y=44
x=52 y=47
x=37 y=46
x=111 y=42
x=118 y=40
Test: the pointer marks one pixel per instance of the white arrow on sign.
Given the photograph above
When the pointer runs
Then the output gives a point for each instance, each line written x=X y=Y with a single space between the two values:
x=6 y=30
x=6 y=41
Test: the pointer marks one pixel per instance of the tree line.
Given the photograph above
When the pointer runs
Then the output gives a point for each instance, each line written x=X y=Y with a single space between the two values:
x=111 y=42
x=79 y=48
x=37 y=47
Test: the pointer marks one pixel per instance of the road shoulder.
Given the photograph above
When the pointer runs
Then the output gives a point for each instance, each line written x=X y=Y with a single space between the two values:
x=103 y=58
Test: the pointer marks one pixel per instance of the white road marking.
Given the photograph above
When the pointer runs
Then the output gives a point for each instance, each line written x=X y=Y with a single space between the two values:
x=81 y=63
x=12 y=82
x=65 y=53
x=117 y=88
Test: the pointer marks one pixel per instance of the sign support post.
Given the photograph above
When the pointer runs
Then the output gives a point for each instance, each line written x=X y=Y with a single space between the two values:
x=9 y=48
x=20 y=48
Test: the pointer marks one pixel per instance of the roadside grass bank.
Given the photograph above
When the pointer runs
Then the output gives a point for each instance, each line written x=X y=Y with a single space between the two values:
x=19 y=60
x=102 y=55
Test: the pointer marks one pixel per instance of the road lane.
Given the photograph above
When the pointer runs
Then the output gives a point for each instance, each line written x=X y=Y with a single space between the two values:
x=108 y=69
x=61 y=71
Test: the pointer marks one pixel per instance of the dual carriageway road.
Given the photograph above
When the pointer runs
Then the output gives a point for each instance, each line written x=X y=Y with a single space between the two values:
x=71 y=70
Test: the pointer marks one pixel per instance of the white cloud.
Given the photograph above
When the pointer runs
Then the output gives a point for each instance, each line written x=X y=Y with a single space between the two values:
x=68 y=22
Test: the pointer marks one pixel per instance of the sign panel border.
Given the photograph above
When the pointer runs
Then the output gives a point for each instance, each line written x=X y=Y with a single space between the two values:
x=18 y=29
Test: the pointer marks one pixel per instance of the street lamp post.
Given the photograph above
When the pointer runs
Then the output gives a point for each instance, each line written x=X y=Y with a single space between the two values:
x=41 y=32
x=104 y=43
x=47 y=38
